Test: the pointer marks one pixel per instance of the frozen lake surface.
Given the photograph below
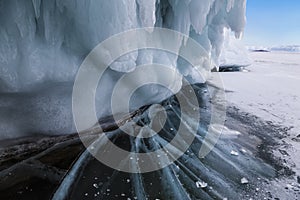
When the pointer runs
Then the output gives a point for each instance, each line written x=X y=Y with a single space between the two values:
x=269 y=89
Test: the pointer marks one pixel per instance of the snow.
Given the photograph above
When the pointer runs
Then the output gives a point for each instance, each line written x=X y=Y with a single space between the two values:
x=269 y=90
x=43 y=43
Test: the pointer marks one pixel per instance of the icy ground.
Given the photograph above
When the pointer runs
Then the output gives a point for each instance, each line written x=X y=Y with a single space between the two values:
x=269 y=89
x=241 y=166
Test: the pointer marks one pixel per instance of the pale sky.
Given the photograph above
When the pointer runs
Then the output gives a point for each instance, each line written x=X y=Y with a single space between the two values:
x=272 y=22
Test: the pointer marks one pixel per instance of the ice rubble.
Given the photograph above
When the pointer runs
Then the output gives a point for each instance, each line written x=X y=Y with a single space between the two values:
x=42 y=44
x=281 y=48
x=234 y=53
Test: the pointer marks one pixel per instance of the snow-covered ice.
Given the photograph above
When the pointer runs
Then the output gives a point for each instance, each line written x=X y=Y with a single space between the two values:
x=269 y=89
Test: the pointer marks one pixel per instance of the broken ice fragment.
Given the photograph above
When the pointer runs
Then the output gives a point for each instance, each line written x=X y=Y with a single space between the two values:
x=288 y=186
x=234 y=153
x=244 y=181
x=95 y=185
x=200 y=184
x=243 y=150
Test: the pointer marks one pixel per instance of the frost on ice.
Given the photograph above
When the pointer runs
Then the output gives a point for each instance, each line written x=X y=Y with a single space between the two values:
x=42 y=44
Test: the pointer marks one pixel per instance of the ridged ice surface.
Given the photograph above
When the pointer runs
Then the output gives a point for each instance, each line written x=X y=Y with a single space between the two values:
x=229 y=171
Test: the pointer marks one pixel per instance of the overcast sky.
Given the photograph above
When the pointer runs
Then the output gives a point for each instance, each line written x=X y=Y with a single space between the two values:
x=272 y=22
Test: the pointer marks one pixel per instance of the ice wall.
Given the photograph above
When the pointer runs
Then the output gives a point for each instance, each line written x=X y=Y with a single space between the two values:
x=43 y=42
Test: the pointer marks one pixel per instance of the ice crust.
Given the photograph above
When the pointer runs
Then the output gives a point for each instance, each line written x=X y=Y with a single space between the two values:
x=43 y=43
